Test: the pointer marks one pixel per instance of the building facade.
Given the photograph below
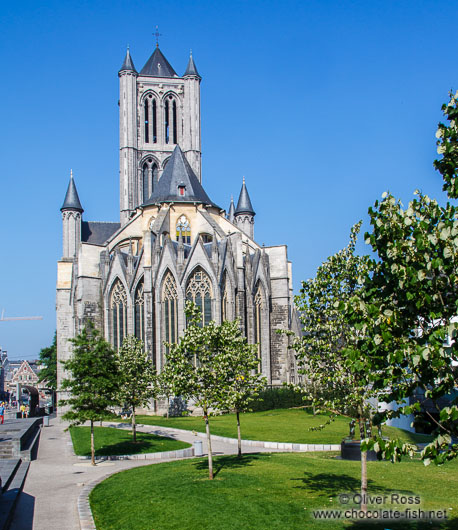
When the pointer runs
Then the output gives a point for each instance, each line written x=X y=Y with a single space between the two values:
x=173 y=243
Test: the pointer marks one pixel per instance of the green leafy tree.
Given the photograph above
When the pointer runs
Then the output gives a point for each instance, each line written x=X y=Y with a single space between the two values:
x=240 y=363
x=196 y=368
x=137 y=377
x=93 y=382
x=48 y=358
x=406 y=312
x=336 y=378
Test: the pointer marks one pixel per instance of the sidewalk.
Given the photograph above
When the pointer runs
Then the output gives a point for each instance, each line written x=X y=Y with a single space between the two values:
x=56 y=478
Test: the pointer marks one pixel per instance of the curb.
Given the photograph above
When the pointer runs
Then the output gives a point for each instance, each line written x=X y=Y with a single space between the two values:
x=179 y=453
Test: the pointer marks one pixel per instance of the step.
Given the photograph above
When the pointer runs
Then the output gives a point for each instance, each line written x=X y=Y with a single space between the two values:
x=9 y=499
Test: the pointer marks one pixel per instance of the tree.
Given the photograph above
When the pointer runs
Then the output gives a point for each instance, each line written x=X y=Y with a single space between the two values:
x=406 y=312
x=48 y=358
x=195 y=368
x=242 y=379
x=336 y=378
x=137 y=377
x=93 y=384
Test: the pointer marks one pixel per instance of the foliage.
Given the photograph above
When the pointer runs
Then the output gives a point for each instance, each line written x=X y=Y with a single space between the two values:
x=267 y=491
x=112 y=441
x=447 y=146
x=406 y=311
x=336 y=379
x=283 y=397
x=48 y=358
x=137 y=376
x=93 y=379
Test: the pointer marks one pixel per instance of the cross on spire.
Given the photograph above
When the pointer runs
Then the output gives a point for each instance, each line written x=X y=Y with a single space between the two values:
x=157 y=35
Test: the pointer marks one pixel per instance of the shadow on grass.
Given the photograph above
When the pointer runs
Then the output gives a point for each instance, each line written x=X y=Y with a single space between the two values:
x=331 y=483
x=227 y=462
x=152 y=445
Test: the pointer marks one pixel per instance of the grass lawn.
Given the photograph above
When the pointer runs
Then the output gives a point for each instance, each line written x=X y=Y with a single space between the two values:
x=265 y=491
x=112 y=441
x=281 y=425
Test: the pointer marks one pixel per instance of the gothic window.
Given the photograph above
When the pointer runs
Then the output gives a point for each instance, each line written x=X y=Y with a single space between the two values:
x=174 y=121
x=118 y=306
x=166 y=121
x=184 y=228
x=145 y=173
x=170 y=308
x=199 y=291
x=139 y=312
x=146 y=124
x=154 y=122
x=225 y=299
x=258 y=307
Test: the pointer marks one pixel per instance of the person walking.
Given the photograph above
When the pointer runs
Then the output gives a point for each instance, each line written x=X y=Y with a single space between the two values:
x=2 y=412
x=22 y=409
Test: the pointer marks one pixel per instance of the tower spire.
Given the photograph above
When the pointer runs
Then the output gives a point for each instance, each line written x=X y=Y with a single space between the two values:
x=72 y=201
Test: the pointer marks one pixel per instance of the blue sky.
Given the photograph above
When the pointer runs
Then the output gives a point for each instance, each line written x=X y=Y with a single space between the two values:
x=321 y=105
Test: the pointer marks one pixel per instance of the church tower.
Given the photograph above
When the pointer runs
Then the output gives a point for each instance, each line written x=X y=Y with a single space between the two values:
x=158 y=110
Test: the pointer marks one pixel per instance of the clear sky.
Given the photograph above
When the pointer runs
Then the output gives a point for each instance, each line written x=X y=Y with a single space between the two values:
x=321 y=105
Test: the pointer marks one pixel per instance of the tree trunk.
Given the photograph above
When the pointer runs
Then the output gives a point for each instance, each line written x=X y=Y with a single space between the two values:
x=209 y=445
x=134 y=426
x=168 y=406
x=363 y=468
x=239 y=436
x=92 y=444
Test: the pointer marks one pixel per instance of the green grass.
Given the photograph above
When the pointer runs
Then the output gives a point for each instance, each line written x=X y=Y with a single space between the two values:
x=112 y=441
x=281 y=425
x=264 y=491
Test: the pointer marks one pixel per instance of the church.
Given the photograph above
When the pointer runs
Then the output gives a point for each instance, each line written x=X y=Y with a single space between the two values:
x=172 y=242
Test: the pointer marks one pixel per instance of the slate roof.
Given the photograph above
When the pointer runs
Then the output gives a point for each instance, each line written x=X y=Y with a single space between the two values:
x=158 y=66
x=244 y=203
x=72 y=201
x=97 y=233
x=191 y=68
x=178 y=173
x=128 y=64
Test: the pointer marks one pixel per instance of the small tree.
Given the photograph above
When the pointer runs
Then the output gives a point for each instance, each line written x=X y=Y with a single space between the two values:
x=194 y=368
x=93 y=384
x=242 y=379
x=137 y=377
x=336 y=379
x=48 y=374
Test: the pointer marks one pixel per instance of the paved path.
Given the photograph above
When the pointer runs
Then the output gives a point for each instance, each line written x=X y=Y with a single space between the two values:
x=55 y=479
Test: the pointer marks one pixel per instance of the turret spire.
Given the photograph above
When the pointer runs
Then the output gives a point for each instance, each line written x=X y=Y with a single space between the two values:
x=244 y=202
x=191 y=68
x=72 y=201
x=231 y=212
x=128 y=64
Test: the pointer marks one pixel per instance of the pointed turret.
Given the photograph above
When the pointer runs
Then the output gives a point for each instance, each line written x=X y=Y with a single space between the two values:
x=128 y=64
x=244 y=213
x=179 y=183
x=158 y=66
x=71 y=221
x=244 y=202
x=72 y=201
x=231 y=212
x=191 y=68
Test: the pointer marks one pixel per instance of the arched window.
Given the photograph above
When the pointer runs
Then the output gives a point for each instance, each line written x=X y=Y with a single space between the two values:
x=225 y=299
x=154 y=122
x=145 y=174
x=166 y=121
x=184 y=228
x=118 y=306
x=170 y=308
x=139 y=312
x=146 y=122
x=174 y=122
x=258 y=307
x=199 y=291
x=149 y=178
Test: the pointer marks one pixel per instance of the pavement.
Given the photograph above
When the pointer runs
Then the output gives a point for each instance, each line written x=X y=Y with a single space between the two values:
x=56 y=478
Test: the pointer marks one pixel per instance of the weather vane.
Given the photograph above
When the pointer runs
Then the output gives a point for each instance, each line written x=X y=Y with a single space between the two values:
x=157 y=35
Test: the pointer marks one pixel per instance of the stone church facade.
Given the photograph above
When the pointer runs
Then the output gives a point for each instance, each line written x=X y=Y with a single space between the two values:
x=173 y=243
